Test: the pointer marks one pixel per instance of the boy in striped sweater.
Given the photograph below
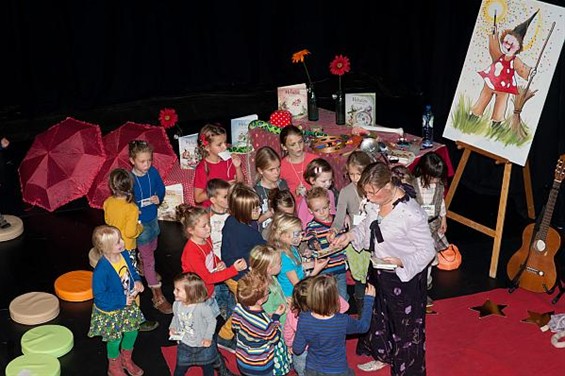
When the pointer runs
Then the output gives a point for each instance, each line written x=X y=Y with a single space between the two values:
x=257 y=334
x=318 y=230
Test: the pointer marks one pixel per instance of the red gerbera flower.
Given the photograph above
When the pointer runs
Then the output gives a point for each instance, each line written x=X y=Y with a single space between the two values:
x=168 y=118
x=340 y=65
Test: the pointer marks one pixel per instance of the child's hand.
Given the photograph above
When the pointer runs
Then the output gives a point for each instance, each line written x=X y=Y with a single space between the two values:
x=307 y=252
x=4 y=142
x=206 y=342
x=443 y=227
x=221 y=266
x=172 y=332
x=138 y=286
x=130 y=299
x=319 y=265
x=370 y=290
x=236 y=160
x=347 y=222
x=280 y=310
x=301 y=190
x=240 y=265
x=341 y=241
x=154 y=199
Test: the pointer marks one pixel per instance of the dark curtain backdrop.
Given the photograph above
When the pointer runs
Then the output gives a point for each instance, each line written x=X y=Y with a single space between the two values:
x=65 y=56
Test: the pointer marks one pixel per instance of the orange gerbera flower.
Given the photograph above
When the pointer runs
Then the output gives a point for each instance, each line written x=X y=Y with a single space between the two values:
x=298 y=57
x=340 y=65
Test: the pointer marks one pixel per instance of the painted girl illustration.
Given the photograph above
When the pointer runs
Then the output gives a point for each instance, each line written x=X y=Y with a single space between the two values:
x=500 y=77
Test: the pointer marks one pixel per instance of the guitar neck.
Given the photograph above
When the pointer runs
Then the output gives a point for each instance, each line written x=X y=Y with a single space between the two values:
x=548 y=214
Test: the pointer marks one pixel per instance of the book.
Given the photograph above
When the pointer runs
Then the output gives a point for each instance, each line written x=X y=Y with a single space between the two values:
x=174 y=196
x=189 y=156
x=240 y=131
x=360 y=109
x=293 y=98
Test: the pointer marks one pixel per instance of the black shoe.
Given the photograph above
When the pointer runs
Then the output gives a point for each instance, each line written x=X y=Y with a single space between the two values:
x=148 y=326
x=227 y=344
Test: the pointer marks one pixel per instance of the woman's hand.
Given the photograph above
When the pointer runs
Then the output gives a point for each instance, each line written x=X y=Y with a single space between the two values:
x=393 y=260
x=341 y=241
x=240 y=265
x=370 y=290
x=221 y=266
x=206 y=342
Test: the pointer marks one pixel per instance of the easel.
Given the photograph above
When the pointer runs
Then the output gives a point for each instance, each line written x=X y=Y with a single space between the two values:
x=497 y=232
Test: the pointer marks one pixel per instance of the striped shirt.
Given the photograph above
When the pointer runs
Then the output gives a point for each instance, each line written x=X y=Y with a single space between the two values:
x=337 y=262
x=257 y=334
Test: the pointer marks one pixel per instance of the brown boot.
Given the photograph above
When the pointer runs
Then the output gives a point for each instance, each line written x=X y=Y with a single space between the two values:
x=115 y=367
x=160 y=302
x=129 y=365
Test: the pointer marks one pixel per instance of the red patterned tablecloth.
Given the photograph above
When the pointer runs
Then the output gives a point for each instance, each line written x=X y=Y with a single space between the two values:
x=260 y=137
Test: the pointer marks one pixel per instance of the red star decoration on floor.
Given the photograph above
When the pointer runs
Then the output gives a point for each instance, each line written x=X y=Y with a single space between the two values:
x=489 y=308
x=540 y=319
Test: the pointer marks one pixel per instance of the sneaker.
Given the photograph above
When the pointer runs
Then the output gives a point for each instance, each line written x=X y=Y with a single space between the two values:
x=148 y=326
x=429 y=302
x=373 y=365
x=227 y=344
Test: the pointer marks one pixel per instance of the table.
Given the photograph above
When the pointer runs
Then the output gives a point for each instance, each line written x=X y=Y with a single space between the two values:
x=260 y=137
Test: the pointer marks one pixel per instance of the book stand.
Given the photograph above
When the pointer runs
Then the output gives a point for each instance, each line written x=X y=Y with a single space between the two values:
x=495 y=233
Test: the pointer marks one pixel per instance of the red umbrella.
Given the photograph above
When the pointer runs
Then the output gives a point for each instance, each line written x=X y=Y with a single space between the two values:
x=61 y=164
x=116 y=147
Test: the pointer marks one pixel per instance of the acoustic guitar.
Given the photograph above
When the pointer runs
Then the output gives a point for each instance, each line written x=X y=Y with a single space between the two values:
x=532 y=267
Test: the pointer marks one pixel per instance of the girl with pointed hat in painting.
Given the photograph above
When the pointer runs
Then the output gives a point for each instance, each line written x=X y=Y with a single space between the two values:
x=500 y=77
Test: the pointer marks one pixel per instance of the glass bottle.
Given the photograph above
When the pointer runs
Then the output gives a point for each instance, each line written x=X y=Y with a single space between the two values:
x=313 y=114
x=427 y=128
x=339 y=108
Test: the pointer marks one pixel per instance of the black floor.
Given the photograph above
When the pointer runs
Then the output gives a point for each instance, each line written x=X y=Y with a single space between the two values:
x=55 y=243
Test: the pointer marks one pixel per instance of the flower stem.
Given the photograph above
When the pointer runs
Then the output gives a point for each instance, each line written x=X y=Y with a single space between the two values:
x=307 y=73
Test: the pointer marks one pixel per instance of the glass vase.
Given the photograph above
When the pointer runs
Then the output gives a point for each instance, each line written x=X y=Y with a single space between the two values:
x=339 y=108
x=313 y=114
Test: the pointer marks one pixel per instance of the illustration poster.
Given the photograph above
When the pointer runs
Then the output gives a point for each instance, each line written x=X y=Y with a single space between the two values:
x=506 y=76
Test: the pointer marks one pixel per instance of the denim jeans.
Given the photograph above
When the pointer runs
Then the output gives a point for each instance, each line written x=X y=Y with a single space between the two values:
x=205 y=357
x=349 y=372
x=225 y=299
x=342 y=285
x=299 y=363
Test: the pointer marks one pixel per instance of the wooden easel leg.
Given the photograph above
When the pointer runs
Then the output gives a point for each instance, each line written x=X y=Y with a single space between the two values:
x=457 y=177
x=500 y=220
x=528 y=191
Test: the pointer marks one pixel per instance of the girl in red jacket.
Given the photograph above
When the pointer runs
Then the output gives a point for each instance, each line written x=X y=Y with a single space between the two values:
x=198 y=256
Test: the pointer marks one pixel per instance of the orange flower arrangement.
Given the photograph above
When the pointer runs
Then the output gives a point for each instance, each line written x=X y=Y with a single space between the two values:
x=339 y=66
x=298 y=57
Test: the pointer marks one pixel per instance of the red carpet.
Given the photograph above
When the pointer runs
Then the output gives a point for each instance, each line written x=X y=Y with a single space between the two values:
x=459 y=343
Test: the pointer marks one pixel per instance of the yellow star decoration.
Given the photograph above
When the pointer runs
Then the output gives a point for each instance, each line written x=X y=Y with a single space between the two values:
x=489 y=308
x=540 y=319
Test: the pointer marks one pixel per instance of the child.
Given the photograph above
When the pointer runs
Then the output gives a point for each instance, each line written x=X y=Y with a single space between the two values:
x=268 y=167
x=280 y=201
x=197 y=256
x=214 y=164
x=319 y=173
x=350 y=212
x=299 y=304
x=266 y=261
x=257 y=333
x=193 y=325
x=217 y=190
x=285 y=236
x=149 y=191
x=239 y=236
x=296 y=159
x=323 y=330
x=115 y=314
x=122 y=213
x=319 y=229
x=430 y=178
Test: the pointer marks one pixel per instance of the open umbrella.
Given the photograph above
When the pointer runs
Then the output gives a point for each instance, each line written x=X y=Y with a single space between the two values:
x=61 y=164
x=117 y=155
